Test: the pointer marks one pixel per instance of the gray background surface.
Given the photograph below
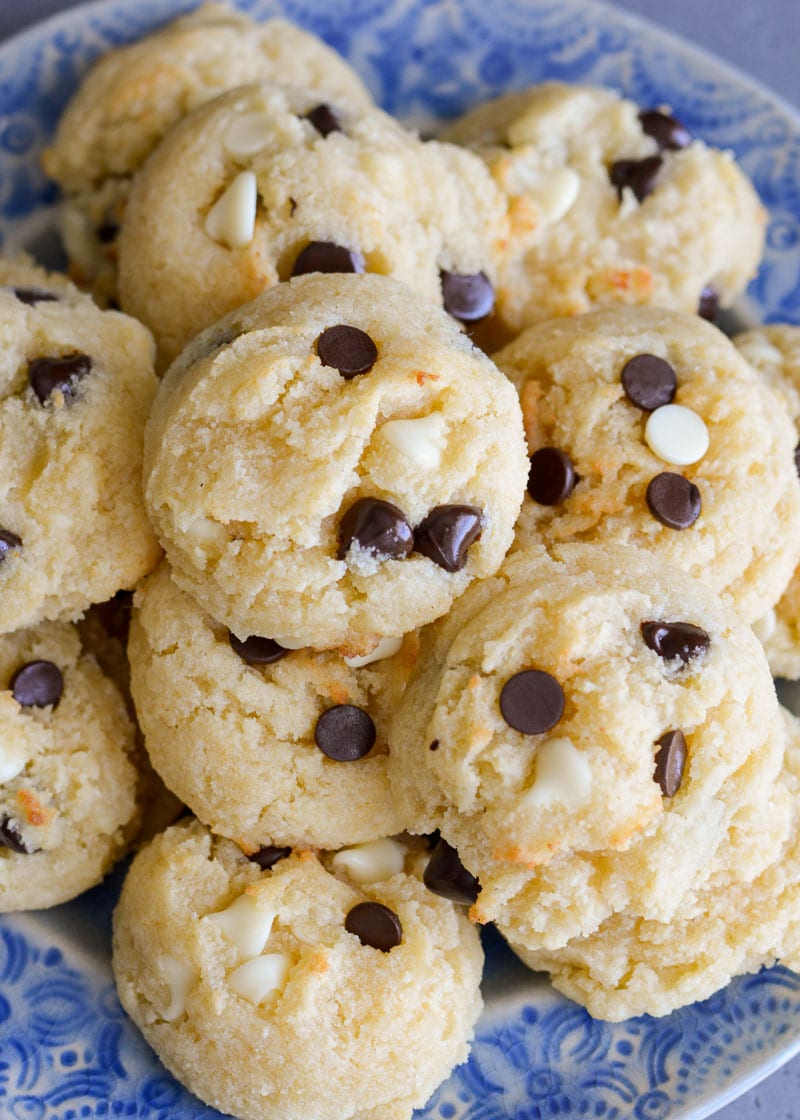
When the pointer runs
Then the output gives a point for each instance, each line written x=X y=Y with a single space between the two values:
x=762 y=38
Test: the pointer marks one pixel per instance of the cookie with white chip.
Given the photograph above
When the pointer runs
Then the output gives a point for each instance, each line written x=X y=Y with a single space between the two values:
x=774 y=351
x=572 y=725
x=319 y=986
x=333 y=464
x=633 y=966
x=265 y=745
x=647 y=427
x=68 y=777
x=265 y=183
x=611 y=205
x=132 y=97
x=77 y=386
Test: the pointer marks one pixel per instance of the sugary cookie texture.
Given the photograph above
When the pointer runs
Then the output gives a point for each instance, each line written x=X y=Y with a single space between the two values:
x=266 y=182
x=647 y=427
x=774 y=351
x=76 y=385
x=320 y=986
x=333 y=464
x=610 y=205
x=632 y=966
x=585 y=729
x=68 y=785
x=265 y=745
x=133 y=96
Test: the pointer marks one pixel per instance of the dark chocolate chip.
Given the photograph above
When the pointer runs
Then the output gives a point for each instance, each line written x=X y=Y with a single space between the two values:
x=446 y=875
x=375 y=526
x=446 y=534
x=375 y=925
x=532 y=702
x=670 y=761
x=638 y=174
x=468 y=297
x=675 y=639
x=667 y=131
x=434 y=746
x=107 y=232
x=673 y=500
x=267 y=857
x=708 y=306
x=37 y=684
x=34 y=295
x=345 y=733
x=326 y=256
x=796 y=463
x=347 y=349
x=8 y=542
x=47 y=375
x=11 y=837
x=551 y=478
x=256 y=650
x=325 y=120
x=649 y=382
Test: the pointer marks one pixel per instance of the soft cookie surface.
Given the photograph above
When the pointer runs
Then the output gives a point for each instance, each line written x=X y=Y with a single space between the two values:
x=660 y=435
x=266 y=182
x=270 y=998
x=333 y=464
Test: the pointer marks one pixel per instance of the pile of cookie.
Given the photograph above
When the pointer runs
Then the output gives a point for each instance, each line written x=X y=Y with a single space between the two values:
x=474 y=532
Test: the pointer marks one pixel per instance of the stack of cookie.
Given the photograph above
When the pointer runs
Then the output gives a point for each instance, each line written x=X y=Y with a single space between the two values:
x=437 y=639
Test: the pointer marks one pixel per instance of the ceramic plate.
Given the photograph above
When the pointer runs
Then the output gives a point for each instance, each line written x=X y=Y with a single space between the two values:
x=67 y=1050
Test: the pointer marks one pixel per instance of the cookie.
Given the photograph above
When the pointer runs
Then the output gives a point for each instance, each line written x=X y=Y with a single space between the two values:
x=265 y=183
x=774 y=351
x=333 y=464
x=68 y=779
x=78 y=384
x=611 y=205
x=305 y=989
x=585 y=729
x=265 y=745
x=647 y=427
x=132 y=97
x=632 y=966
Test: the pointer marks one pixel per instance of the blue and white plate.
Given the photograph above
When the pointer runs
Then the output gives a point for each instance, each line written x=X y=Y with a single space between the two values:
x=67 y=1050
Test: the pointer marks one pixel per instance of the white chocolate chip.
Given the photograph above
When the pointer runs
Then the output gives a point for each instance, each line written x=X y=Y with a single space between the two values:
x=180 y=978
x=245 y=924
x=563 y=775
x=232 y=218
x=247 y=134
x=676 y=434
x=13 y=757
x=290 y=643
x=386 y=647
x=204 y=531
x=256 y=979
x=555 y=192
x=421 y=441
x=764 y=627
x=372 y=862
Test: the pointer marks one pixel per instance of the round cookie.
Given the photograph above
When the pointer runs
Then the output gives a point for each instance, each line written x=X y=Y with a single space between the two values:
x=585 y=729
x=265 y=746
x=295 y=991
x=333 y=464
x=774 y=351
x=264 y=183
x=610 y=205
x=68 y=784
x=132 y=97
x=710 y=485
x=632 y=966
x=77 y=385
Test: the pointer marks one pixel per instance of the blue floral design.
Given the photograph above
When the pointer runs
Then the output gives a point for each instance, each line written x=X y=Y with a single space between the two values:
x=67 y=1051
